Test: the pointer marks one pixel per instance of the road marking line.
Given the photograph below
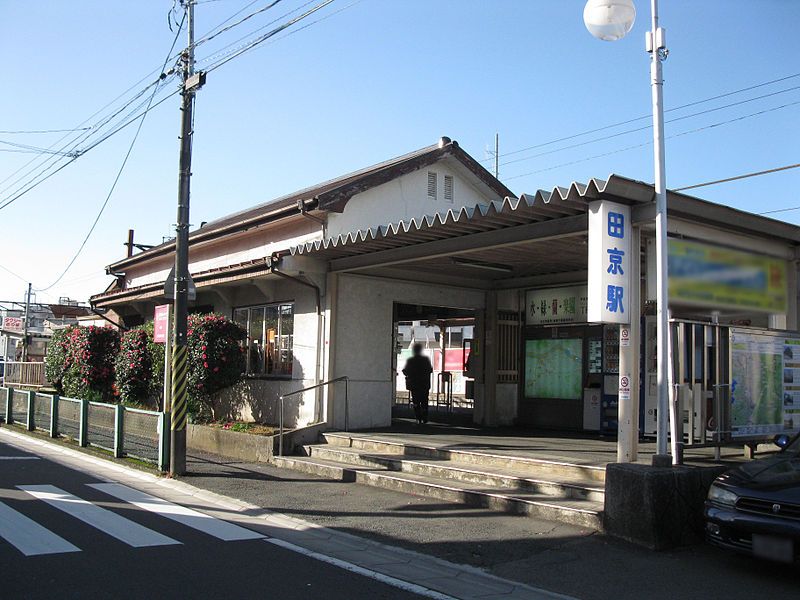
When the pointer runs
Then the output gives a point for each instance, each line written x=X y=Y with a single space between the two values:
x=107 y=521
x=19 y=458
x=28 y=536
x=182 y=514
x=347 y=566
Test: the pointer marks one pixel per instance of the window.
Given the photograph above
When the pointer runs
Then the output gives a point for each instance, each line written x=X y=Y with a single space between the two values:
x=270 y=338
x=448 y=188
x=432 y=185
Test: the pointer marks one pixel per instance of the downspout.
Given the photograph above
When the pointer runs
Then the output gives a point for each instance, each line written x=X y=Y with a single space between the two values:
x=273 y=260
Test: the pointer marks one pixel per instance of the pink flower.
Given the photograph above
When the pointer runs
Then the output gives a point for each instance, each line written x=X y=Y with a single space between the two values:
x=205 y=365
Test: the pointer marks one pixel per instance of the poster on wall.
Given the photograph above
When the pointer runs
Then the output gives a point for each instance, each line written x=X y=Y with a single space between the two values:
x=554 y=368
x=705 y=275
x=765 y=383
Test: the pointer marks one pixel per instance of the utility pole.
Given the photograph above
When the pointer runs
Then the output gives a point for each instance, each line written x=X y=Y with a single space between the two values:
x=497 y=156
x=25 y=325
x=191 y=82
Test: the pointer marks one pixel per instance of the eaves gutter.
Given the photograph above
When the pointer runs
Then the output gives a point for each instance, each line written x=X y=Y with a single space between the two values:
x=201 y=236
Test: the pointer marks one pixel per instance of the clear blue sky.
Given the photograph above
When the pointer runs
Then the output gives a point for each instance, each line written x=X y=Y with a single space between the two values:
x=379 y=79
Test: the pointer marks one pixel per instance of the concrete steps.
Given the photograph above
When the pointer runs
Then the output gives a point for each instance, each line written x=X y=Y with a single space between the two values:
x=567 y=485
x=559 y=491
x=483 y=458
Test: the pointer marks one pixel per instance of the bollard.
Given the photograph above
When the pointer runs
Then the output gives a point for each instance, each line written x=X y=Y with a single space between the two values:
x=83 y=429
x=119 y=433
x=54 y=416
x=9 y=405
x=30 y=424
x=163 y=442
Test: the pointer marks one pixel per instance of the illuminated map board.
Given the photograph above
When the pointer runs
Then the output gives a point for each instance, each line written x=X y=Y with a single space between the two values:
x=765 y=383
x=554 y=368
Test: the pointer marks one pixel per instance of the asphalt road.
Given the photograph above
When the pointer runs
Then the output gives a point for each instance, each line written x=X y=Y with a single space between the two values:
x=69 y=535
x=553 y=556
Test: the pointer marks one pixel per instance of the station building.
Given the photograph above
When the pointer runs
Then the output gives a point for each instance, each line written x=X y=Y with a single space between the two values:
x=340 y=278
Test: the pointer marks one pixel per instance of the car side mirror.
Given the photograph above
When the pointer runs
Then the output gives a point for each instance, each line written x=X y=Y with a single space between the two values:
x=781 y=441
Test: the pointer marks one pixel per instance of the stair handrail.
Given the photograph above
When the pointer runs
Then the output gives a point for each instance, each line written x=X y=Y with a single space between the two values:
x=282 y=397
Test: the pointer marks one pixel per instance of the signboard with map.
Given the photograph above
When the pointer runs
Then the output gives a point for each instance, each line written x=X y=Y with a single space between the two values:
x=554 y=368
x=765 y=383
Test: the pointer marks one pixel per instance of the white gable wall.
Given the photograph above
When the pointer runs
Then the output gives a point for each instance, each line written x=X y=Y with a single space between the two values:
x=404 y=198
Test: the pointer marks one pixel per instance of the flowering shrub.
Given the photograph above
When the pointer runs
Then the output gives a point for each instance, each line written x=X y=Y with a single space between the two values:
x=134 y=367
x=216 y=358
x=55 y=361
x=89 y=354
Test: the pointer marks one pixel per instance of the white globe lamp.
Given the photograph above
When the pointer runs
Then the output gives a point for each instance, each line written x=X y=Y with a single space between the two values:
x=609 y=20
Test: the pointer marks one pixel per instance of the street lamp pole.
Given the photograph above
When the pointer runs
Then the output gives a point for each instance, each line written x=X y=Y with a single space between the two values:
x=658 y=52
x=611 y=20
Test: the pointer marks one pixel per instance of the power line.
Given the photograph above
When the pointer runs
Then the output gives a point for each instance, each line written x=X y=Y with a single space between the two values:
x=9 y=271
x=648 y=143
x=35 y=131
x=121 y=168
x=646 y=127
x=745 y=176
x=210 y=37
x=49 y=172
x=268 y=35
x=648 y=116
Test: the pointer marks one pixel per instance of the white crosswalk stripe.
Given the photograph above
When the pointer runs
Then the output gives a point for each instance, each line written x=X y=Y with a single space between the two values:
x=28 y=536
x=186 y=516
x=33 y=539
x=105 y=520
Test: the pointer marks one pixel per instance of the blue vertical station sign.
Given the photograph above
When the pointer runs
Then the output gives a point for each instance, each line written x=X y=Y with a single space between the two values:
x=609 y=262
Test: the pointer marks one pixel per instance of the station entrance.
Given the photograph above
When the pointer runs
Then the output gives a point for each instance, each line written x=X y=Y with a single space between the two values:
x=448 y=338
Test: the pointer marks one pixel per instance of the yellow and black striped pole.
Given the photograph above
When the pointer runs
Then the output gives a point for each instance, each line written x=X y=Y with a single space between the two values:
x=179 y=393
x=177 y=457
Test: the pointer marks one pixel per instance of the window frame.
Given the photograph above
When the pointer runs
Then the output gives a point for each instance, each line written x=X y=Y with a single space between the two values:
x=279 y=349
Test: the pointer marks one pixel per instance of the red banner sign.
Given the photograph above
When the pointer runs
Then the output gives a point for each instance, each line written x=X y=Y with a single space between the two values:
x=161 y=324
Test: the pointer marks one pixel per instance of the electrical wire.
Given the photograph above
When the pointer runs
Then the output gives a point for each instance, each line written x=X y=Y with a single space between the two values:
x=646 y=127
x=745 y=176
x=9 y=271
x=209 y=37
x=649 y=143
x=254 y=43
x=121 y=168
x=34 y=131
x=648 y=116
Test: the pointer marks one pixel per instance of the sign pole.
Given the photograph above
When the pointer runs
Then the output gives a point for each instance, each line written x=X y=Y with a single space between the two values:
x=168 y=363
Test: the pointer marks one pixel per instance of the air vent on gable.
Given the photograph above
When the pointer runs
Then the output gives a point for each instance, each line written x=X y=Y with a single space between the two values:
x=432 y=185
x=448 y=188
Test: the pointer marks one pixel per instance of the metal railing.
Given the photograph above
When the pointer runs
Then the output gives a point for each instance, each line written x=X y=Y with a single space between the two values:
x=283 y=397
x=121 y=430
x=29 y=374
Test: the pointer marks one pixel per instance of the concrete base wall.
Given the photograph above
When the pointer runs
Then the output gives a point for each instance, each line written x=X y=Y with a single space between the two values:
x=257 y=400
x=233 y=444
x=660 y=508
x=506 y=403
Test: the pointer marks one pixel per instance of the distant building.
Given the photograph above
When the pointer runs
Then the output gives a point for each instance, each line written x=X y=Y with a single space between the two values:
x=43 y=319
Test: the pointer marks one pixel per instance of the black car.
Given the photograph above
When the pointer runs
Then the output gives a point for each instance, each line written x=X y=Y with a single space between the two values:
x=755 y=508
